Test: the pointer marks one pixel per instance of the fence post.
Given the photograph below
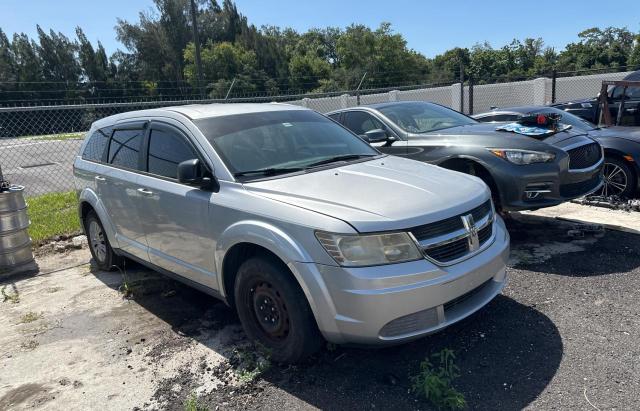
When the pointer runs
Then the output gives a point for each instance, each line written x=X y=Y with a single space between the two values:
x=344 y=101
x=470 y=95
x=462 y=87
x=393 y=95
x=554 y=76
x=456 y=93
x=539 y=91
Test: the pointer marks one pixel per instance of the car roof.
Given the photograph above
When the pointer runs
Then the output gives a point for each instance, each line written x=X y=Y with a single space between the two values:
x=378 y=106
x=635 y=76
x=199 y=111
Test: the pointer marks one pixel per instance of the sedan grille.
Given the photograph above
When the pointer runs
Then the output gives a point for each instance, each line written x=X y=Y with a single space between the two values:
x=457 y=237
x=584 y=156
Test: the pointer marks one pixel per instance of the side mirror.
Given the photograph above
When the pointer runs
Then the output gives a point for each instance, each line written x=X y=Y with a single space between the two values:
x=190 y=172
x=376 y=136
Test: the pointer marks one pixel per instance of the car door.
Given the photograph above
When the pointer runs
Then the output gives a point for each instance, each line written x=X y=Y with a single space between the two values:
x=116 y=186
x=360 y=122
x=176 y=216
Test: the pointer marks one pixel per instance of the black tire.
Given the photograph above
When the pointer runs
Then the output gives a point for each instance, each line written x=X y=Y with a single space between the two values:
x=100 y=247
x=265 y=287
x=617 y=174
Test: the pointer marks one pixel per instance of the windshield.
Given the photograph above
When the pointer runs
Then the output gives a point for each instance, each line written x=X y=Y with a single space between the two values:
x=422 y=117
x=277 y=142
x=568 y=118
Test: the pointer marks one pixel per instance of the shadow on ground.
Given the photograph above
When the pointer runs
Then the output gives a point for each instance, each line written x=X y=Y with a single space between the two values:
x=542 y=244
x=507 y=354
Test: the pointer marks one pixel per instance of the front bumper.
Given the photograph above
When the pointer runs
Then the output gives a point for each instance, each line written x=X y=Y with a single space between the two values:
x=554 y=186
x=399 y=302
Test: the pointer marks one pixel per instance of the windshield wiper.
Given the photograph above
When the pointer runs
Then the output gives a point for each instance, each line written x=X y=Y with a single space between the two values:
x=345 y=157
x=268 y=171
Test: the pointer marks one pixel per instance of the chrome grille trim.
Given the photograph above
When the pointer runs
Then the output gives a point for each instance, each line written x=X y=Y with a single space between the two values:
x=461 y=241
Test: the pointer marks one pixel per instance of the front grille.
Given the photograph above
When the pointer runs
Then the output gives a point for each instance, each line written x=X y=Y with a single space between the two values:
x=584 y=156
x=453 y=240
x=578 y=189
x=450 y=224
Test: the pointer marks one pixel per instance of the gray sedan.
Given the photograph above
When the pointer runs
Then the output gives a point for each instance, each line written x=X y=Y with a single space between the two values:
x=523 y=172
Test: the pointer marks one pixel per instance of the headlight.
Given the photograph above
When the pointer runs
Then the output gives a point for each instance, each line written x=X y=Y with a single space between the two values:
x=362 y=250
x=522 y=157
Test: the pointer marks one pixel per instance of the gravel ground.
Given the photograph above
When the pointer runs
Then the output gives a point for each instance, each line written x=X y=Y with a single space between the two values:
x=563 y=336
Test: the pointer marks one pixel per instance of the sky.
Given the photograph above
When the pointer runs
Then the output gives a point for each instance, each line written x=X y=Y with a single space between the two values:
x=429 y=27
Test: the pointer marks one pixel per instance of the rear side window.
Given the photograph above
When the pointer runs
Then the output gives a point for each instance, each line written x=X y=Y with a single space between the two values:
x=125 y=147
x=360 y=122
x=97 y=143
x=335 y=117
x=166 y=150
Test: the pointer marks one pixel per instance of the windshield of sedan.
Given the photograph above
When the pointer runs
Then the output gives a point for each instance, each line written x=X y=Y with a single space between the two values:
x=569 y=119
x=278 y=142
x=422 y=117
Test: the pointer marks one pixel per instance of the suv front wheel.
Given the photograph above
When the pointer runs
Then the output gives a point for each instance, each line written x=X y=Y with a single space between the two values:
x=99 y=245
x=274 y=311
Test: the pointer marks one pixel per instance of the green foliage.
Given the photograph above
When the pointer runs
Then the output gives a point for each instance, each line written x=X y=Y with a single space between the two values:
x=192 y=404
x=52 y=215
x=159 y=58
x=434 y=381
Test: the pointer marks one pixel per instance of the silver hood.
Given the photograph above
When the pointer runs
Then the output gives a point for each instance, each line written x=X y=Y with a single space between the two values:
x=388 y=193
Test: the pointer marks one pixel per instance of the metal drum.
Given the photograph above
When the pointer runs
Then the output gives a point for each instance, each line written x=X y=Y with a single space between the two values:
x=15 y=243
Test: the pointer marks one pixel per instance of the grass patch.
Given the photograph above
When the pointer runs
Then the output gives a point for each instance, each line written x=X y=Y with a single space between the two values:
x=30 y=317
x=53 y=214
x=434 y=381
x=192 y=404
x=59 y=137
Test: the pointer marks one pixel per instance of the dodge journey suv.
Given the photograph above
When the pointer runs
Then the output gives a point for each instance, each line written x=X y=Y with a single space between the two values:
x=309 y=232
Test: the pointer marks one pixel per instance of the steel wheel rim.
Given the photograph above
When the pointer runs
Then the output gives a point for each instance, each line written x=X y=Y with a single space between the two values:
x=615 y=180
x=98 y=243
x=270 y=311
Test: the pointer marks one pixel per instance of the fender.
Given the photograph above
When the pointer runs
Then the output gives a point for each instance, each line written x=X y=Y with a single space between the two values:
x=90 y=197
x=263 y=234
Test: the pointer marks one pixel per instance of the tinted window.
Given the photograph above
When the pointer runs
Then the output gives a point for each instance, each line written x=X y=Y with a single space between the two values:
x=418 y=117
x=335 y=117
x=279 y=139
x=125 y=147
x=96 y=145
x=167 y=150
x=360 y=122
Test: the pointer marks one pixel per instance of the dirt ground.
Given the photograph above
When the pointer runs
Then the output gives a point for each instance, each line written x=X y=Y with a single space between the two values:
x=564 y=335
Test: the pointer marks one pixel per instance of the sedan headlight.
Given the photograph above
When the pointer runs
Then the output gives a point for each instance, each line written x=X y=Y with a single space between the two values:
x=362 y=250
x=522 y=157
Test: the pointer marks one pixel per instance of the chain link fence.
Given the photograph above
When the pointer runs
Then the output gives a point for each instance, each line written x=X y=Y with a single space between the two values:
x=38 y=144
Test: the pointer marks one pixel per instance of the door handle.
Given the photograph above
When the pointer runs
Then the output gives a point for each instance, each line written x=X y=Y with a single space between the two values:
x=145 y=192
x=100 y=178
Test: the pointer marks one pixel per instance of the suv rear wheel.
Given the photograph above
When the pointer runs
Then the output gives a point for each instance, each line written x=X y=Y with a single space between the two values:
x=99 y=245
x=274 y=311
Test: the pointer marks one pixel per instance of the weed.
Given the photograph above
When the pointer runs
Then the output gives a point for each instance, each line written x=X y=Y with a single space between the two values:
x=250 y=362
x=52 y=290
x=12 y=298
x=191 y=404
x=435 y=383
x=30 y=317
x=29 y=345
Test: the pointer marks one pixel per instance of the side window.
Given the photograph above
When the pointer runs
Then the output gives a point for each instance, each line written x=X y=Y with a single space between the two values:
x=167 y=150
x=335 y=117
x=360 y=122
x=486 y=119
x=125 y=148
x=97 y=143
x=505 y=117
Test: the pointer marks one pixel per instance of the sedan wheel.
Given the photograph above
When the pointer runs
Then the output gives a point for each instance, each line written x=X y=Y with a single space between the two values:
x=619 y=179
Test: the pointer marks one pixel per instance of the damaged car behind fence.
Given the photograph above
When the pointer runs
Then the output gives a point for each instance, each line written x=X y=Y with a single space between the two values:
x=308 y=231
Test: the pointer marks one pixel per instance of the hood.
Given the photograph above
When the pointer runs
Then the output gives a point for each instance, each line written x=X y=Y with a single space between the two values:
x=627 y=133
x=387 y=193
x=490 y=137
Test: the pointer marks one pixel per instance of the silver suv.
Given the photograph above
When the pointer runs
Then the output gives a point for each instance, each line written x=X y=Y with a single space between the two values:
x=310 y=233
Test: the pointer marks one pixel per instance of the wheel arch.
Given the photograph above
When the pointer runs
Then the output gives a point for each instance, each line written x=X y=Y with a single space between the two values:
x=88 y=201
x=474 y=167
